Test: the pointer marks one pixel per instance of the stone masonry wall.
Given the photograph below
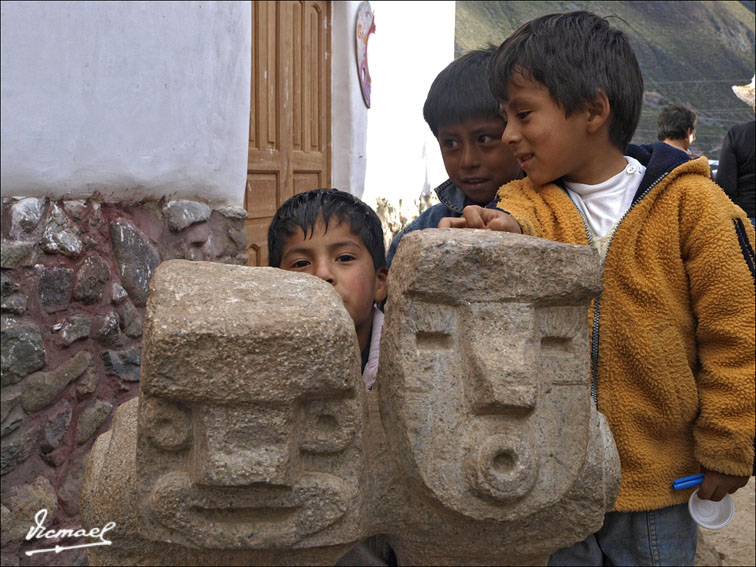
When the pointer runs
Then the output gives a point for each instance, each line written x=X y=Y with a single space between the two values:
x=74 y=286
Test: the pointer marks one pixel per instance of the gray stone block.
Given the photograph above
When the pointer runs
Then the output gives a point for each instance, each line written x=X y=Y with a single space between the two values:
x=124 y=364
x=23 y=352
x=91 y=418
x=54 y=288
x=181 y=214
x=136 y=257
x=91 y=280
x=41 y=388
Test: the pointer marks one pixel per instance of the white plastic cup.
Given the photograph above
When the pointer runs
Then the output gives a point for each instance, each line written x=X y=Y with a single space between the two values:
x=711 y=515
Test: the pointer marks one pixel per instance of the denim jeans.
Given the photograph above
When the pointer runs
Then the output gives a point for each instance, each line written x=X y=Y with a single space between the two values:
x=658 y=537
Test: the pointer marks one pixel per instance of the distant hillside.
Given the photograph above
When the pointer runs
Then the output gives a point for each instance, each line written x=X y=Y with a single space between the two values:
x=689 y=52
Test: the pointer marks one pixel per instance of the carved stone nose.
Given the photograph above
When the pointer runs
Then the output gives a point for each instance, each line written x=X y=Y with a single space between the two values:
x=500 y=382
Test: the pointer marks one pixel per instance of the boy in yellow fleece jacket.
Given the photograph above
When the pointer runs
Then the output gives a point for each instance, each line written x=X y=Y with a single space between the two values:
x=673 y=328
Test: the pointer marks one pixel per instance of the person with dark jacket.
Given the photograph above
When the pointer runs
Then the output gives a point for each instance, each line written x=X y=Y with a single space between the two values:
x=737 y=159
x=464 y=117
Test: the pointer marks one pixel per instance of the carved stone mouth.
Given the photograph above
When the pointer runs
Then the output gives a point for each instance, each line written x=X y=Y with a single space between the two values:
x=245 y=514
x=245 y=517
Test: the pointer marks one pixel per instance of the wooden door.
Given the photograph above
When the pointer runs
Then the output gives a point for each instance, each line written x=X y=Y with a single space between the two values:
x=290 y=118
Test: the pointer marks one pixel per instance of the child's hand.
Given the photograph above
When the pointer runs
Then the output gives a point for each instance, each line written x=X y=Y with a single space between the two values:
x=478 y=217
x=715 y=485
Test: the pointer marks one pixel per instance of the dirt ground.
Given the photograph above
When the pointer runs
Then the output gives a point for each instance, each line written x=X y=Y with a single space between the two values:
x=735 y=544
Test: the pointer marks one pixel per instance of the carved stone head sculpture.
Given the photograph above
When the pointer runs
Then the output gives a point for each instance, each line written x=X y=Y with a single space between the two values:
x=251 y=413
x=484 y=380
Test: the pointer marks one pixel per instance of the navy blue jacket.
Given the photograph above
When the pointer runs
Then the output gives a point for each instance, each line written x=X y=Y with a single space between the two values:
x=453 y=200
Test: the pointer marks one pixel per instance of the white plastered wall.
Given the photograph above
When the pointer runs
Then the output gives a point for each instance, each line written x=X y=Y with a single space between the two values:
x=127 y=99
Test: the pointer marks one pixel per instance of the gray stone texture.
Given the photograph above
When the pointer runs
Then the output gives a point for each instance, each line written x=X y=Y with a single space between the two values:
x=91 y=418
x=15 y=254
x=61 y=236
x=87 y=383
x=56 y=426
x=123 y=364
x=181 y=214
x=77 y=234
x=54 y=290
x=107 y=328
x=23 y=352
x=8 y=286
x=25 y=216
x=18 y=446
x=70 y=491
x=91 y=280
x=75 y=328
x=23 y=502
x=130 y=321
x=14 y=303
x=118 y=295
x=136 y=258
x=480 y=428
x=41 y=388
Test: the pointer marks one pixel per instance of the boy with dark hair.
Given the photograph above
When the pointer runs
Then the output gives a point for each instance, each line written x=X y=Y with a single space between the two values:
x=673 y=328
x=333 y=235
x=676 y=126
x=464 y=118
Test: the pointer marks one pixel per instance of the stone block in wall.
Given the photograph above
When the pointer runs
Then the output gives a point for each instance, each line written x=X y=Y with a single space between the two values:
x=136 y=258
x=14 y=303
x=23 y=352
x=87 y=383
x=123 y=364
x=15 y=254
x=70 y=490
x=181 y=214
x=117 y=294
x=23 y=503
x=17 y=447
x=9 y=401
x=25 y=216
x=13 y=415
x=56 y=426
x=91 y=280
x=41 y=388
x=107 y=329
x=74 y=328
x=130 y=321
x=61 y=236
x=91 y=418
x=54 y=288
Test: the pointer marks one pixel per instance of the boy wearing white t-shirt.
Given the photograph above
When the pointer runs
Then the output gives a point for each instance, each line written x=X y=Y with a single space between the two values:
x=672 y=345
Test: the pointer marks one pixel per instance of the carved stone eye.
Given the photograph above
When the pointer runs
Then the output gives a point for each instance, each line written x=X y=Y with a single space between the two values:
x=168 y=426
x=328 y=426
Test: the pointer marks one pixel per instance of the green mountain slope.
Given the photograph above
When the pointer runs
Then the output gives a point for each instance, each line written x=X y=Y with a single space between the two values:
x=689 y=52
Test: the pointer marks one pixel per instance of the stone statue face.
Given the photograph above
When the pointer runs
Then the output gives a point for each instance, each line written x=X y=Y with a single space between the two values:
x=262 y=451
x=470 y=384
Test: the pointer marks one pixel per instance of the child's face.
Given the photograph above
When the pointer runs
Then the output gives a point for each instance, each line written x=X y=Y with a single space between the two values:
x=476 y=159
x=339 y=257
x=546 y=143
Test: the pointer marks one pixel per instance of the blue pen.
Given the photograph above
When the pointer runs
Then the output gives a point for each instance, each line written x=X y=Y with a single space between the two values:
x=689 y=484
x=688 y=478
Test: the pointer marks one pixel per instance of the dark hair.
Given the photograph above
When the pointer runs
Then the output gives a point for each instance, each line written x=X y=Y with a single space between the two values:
x=460 y=92
x=304 y=209
x=674 y=122
x=574 y=55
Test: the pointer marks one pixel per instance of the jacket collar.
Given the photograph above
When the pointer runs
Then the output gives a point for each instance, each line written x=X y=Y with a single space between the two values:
x=452 y=196
x=659 y=159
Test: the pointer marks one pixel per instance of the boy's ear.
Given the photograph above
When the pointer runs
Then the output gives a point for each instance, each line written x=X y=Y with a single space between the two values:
x=381 y=286
x=598 y=111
